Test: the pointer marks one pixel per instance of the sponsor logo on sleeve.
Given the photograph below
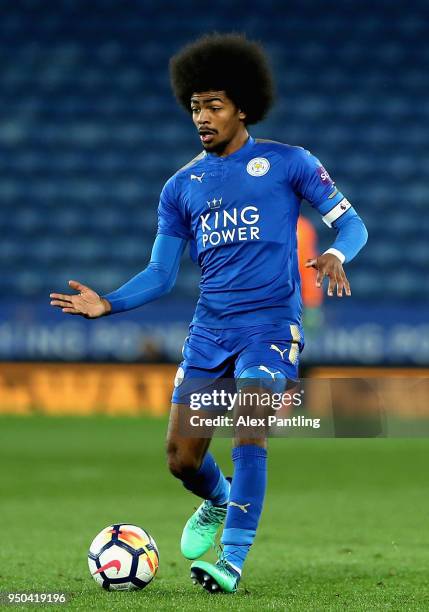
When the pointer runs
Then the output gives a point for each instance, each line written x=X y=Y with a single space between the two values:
x=324 y=175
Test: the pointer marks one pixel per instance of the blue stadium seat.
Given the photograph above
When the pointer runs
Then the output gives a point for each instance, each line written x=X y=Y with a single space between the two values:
x=89 y=130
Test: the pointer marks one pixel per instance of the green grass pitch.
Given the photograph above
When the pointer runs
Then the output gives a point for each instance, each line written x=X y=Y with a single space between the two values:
x=345 y=522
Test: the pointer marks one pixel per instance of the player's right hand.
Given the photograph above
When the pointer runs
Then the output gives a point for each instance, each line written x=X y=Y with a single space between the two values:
x=87 y=303
x=329 y=265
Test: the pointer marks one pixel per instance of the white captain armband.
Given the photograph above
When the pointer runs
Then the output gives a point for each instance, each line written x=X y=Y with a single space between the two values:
x=338 y=211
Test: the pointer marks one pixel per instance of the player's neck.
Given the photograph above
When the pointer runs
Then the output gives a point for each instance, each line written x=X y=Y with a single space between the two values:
x=238 y=141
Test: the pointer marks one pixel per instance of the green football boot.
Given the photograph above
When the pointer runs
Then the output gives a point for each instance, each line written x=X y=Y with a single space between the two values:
x=200 y=531
x=215 y=578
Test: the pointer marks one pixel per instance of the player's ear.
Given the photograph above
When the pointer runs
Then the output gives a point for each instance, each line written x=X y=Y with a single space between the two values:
x=241 y=115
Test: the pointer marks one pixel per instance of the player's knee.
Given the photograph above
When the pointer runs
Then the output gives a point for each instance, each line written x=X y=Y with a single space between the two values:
x=181 y=463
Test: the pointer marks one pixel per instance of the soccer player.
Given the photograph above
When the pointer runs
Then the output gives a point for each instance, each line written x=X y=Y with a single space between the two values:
x=237 y=204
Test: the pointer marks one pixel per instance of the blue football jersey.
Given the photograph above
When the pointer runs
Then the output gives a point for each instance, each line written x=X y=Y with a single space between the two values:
x=240 y=213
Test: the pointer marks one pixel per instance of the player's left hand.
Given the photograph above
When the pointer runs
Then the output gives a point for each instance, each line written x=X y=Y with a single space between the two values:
x=329 y=265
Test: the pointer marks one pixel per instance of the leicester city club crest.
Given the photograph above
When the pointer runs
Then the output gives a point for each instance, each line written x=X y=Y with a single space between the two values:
x=258 y=166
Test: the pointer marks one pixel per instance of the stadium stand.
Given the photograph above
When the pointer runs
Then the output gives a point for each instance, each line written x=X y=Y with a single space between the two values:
x=89 y=130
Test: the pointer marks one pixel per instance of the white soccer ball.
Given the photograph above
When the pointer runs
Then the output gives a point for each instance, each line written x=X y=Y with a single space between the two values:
x=123 y=557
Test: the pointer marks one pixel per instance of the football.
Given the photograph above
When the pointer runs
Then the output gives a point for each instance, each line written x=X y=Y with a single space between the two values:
x=123 y=557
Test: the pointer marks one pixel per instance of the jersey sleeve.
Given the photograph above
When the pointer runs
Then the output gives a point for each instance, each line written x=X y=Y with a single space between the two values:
x=310 y=180
x=171 y=216
x=155 y=280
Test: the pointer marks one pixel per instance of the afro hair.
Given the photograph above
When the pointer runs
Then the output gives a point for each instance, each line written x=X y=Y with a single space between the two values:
x=225 y=62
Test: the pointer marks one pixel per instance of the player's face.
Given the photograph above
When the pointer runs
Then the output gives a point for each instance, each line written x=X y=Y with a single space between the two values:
x=217 y=119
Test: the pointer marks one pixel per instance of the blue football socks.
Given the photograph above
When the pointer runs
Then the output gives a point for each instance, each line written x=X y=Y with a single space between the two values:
x=209 y=482
x=245 y=502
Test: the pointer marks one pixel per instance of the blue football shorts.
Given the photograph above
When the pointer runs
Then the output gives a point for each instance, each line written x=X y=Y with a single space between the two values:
x=267 y=353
